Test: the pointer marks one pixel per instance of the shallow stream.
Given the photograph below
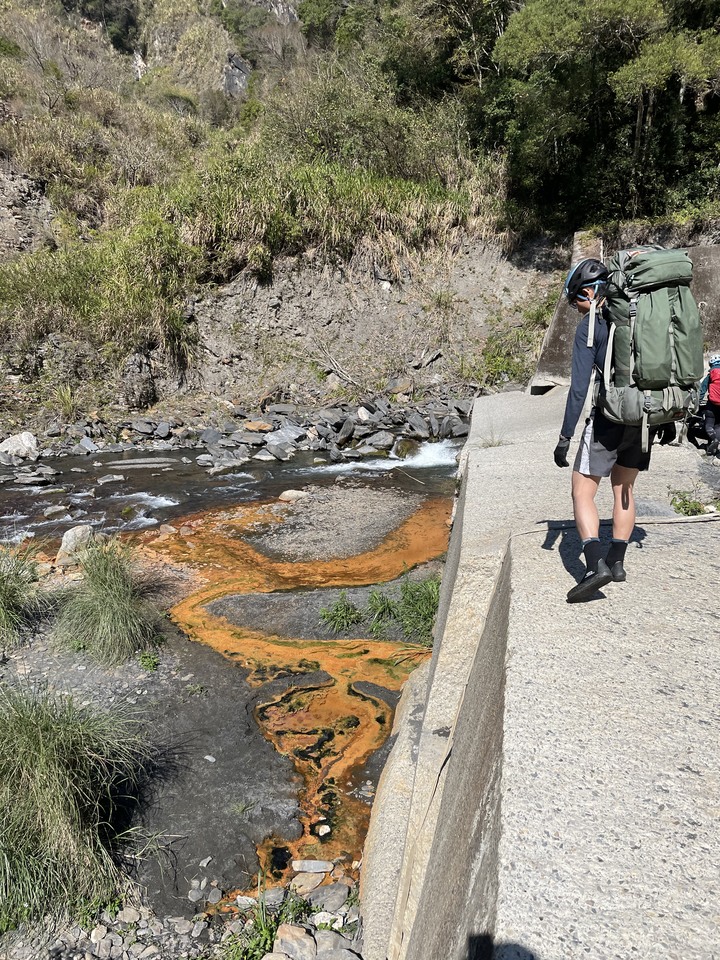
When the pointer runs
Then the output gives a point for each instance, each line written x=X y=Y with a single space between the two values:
x=257 y=573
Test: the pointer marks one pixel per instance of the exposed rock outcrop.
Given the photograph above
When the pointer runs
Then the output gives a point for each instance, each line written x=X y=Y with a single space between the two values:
x=25 y=216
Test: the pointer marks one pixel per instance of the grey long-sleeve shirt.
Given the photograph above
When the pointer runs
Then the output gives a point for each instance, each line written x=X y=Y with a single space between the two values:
x=584 y=359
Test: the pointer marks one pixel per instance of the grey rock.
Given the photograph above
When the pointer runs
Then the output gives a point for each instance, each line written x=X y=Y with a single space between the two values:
x=331 y=897
x=143 y=427
x=210 y=436
x=138 y=383
x=279 y=451
x=183 y=926
x=199 y=928
x=460 y=430
x=129 y=915
x=248 y=437
x=73 y=542
x=195 y=895
x=332 y=415
x=418 y=426
x=36 y=479
x=288 y=433
x=22 y=445
x=295 y=941
x=59 y=511
x=340 y=954
x=382 y=440
x=215 y=895
x=274 y=898
x=284 y=409
x=328 y=940
x=162 y=430
x=312 y=866
x=98 y=933
x=111 y=478
x=88 y=445
x=346 y=432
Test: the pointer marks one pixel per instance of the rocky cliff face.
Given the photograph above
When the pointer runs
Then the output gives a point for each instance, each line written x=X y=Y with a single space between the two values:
x=25 y=216
x=320 y=325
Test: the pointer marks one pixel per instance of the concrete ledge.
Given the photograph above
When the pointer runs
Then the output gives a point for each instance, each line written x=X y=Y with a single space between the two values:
x=409 y=836
x=564 y=797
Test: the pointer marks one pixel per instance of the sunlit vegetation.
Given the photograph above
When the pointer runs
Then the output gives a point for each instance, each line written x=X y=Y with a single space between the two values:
x=21 y=601
x=109 y=613
x=69 y=776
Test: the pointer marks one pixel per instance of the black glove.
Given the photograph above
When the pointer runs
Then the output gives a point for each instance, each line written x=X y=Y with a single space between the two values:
x=561 y=451
x=667 y=433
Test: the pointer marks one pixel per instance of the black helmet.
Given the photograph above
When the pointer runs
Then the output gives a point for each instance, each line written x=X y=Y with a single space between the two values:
x=585 y=273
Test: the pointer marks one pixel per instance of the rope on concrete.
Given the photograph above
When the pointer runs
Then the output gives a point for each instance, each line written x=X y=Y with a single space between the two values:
x=545 y=525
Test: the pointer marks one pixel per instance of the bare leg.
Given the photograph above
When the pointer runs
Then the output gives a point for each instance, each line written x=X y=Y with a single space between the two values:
x=584 y=490
x=623 y=480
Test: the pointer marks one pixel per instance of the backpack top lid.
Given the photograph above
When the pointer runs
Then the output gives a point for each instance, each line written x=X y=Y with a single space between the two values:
x=646 y=268
x=714 y=360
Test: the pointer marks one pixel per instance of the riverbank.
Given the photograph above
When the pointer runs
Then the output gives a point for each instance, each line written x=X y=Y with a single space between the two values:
x=237 y=784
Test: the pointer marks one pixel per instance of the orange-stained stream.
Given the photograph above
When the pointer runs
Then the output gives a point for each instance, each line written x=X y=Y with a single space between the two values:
x=331 y=729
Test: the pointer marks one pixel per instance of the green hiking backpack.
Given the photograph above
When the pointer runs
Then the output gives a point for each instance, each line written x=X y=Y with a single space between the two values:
x=654 y=355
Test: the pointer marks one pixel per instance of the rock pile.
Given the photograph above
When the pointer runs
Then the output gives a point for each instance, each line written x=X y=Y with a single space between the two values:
x=331 y=930
x=342 y=432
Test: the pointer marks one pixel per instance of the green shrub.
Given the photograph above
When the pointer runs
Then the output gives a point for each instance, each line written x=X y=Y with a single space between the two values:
x=68 y=777
x=413 y=611
x=20 y=600
x=138 y=274
x=342 y=615
x=417 y=609
x=686 y=503
x=109 y=613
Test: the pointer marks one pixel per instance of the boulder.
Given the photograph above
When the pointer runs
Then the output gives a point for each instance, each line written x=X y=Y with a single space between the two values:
x=74 y=541
x=346 y=432
x=22 y=445
x=330 y=897
x=291 y=496
x=294 y=941
x=418 y=426
x=382 y=440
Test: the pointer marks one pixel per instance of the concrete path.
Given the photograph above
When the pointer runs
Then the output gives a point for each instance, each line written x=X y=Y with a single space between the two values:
x=610 y=787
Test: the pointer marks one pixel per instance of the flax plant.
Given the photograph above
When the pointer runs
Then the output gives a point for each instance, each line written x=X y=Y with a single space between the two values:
x=110 y=613
x=21 y=602
x=69 y=776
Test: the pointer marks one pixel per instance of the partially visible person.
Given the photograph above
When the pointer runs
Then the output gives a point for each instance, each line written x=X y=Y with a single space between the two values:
x=710 y=386
x=606 y=449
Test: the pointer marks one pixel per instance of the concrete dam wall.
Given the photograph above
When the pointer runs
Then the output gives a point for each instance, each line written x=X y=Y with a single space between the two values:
x=552 y=788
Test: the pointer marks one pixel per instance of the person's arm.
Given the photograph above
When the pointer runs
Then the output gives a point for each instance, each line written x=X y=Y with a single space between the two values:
x=583 y=361
x=704 y=387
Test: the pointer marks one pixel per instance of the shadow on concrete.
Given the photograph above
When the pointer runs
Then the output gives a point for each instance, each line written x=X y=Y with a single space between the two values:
x=563 y=536
x=484 y=947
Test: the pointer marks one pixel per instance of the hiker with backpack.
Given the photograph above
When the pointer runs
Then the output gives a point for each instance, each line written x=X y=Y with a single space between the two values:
x=639 y=337
x=711 y=387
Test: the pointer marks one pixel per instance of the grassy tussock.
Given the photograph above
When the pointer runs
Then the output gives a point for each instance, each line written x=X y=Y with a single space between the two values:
x=21 y=603
x=413 y=610
x=66 y=775
x=109 y=613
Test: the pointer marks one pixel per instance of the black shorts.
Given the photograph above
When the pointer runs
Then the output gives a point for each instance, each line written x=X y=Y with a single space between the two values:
x=604 y=444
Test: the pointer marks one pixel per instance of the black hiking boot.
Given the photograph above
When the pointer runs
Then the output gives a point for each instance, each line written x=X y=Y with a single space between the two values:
x=712 y=448
x=591 y=583
x=618 y=572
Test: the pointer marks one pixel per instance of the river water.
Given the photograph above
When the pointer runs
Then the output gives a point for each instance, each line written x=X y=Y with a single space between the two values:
x=159 y=487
